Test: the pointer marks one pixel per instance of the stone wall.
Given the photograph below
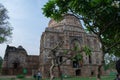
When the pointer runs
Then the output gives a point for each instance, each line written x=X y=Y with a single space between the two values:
x=71 y=32
x=16 y=59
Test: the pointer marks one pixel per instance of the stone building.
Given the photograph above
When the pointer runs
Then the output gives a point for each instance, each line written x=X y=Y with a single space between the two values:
x=70 y=31
x=17 y=59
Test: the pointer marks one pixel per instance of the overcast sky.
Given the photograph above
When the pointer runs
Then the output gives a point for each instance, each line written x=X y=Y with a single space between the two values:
x=28 y=23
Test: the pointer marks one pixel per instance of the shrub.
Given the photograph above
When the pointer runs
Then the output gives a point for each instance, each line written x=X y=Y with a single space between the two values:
x=20 y=76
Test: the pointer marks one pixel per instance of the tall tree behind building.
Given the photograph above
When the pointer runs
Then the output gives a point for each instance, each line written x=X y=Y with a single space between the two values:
x=5 y=28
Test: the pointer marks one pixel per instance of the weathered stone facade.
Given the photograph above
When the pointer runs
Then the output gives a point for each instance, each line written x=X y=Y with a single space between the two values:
x=16 y=59
x=70 y=31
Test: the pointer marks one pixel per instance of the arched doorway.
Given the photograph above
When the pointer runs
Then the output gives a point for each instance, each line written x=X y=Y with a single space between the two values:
x=75 y=64
x=16 y=64
x=78 y=72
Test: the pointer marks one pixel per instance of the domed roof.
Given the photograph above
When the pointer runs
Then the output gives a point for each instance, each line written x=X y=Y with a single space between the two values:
x=20 y=47
x=68 y=19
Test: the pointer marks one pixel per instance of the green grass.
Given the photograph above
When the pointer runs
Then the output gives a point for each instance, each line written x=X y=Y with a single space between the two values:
x=88 y=78
x=71 y=78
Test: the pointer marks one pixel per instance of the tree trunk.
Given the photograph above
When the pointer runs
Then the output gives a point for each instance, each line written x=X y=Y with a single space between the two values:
x=99 y=72
x=60 y=74
x=51 y=70
x=99 y=68
x=102 y=62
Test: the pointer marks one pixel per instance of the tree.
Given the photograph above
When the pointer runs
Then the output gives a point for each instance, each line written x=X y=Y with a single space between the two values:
x=110 y=61
x=5 y=29
x=101 y=17
x=55 y=59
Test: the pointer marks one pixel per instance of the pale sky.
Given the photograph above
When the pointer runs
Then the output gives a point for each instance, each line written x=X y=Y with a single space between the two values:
x=28 y=23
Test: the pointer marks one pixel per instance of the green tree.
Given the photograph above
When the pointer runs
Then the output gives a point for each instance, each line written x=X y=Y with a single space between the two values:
x=5 y=29
x=55 y=58
x=101 y=17
x=110 y=61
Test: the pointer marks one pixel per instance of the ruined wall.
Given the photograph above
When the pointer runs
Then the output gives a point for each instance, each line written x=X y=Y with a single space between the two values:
x=16 y=59
x=32 y=63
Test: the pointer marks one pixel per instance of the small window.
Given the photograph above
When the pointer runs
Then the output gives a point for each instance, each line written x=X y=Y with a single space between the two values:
x=78 y=72
x=75 y=64
x=90 y=61
x=92 y=73
x=60 y=59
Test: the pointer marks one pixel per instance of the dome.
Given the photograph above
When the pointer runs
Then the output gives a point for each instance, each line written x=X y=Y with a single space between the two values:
x=68 y=19
x=20 y=47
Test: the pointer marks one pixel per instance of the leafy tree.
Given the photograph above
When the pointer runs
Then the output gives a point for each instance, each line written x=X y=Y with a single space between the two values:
x=101 y=17
x=54 y=56
x=5 y=29
x=110 y=61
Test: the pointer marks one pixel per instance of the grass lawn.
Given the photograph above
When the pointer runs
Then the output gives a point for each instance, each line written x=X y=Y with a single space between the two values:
x=89 y=78
x=72 y=78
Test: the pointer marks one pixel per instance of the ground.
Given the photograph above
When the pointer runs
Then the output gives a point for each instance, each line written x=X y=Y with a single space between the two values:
x=69 y=78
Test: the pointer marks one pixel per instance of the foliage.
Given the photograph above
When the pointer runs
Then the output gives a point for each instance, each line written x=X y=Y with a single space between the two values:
x=87 y=50
x=75 y=55
x=78 y=56
x=110 y=65
x=5 y=29
x=66 y=52
x=20 y=76
x=110 y=61
x=101 y=17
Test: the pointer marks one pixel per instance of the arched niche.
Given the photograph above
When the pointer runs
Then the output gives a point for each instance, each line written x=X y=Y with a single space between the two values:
x=16 y=63
x=75 y=43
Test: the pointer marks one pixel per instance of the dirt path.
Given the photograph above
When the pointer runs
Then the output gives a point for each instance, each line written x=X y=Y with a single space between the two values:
x=1 y=76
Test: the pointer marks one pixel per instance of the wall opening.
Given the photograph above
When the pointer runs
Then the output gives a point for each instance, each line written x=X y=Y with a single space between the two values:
x=75 y=64
x=78 y=72
x=90 y=61
x=92 y=73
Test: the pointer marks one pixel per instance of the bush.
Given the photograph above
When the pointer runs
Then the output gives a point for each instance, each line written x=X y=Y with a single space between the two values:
x=20 y=76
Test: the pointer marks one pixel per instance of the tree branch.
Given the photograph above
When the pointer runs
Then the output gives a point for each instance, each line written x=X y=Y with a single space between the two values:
x=105 y=26
x=112 y=46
